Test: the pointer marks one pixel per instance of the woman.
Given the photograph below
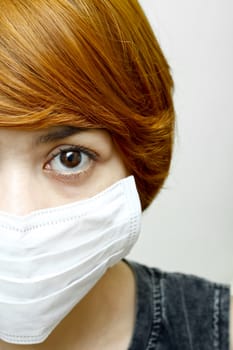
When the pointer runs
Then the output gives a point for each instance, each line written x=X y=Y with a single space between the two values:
x=87 y=123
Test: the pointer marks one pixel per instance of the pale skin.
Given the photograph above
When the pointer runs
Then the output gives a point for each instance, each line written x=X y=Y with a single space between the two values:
x=104 y=319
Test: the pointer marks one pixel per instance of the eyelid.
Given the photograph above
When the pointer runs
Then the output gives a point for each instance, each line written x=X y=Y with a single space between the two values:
x=75 y=176
x=63 y=148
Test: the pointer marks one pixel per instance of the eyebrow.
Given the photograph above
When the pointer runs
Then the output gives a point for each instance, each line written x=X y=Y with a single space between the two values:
x=58 y=133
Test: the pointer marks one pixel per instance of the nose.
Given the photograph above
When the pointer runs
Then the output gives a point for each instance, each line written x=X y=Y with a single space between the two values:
x=19 y=194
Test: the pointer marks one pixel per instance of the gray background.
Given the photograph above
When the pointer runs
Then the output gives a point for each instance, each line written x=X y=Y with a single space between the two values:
x=189 y=226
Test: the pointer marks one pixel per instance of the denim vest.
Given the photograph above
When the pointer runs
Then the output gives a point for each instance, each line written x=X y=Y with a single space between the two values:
x=179 y=312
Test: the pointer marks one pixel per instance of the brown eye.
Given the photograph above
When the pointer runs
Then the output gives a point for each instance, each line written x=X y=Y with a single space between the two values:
x=70 y=159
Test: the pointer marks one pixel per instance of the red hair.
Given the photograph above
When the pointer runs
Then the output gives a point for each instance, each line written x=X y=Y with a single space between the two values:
x=90 y=63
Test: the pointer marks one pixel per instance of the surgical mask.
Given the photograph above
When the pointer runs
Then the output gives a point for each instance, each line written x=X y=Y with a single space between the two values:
x=51 y=258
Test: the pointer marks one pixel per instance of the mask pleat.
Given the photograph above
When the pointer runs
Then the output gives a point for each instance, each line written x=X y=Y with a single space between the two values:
x=50 y=259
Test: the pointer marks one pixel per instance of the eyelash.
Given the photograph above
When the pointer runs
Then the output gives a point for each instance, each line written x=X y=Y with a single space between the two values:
x=92 y=155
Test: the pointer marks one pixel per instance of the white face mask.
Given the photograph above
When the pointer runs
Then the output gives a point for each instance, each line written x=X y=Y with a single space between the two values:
x=51 y=258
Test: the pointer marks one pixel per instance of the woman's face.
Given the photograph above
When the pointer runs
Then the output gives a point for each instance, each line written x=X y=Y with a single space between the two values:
x=56 y=166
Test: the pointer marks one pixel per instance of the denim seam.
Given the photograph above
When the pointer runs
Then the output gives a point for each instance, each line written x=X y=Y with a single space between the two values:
x=186 y=318
x=156 y=323
x=216 y=323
